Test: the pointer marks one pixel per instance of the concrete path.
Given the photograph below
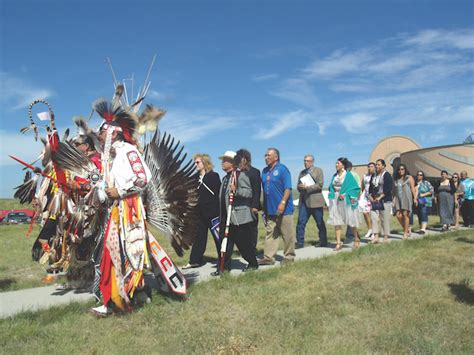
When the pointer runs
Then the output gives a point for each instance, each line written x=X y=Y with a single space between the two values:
x=33 y=299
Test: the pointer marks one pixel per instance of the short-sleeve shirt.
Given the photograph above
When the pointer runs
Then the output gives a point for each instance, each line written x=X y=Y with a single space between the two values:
x=468 y=185
x=274 y=183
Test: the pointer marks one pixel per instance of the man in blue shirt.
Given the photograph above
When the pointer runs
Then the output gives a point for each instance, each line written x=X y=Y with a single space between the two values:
x=278 y=208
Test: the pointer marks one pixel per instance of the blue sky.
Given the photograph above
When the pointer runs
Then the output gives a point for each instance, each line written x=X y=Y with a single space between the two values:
x=329 y=78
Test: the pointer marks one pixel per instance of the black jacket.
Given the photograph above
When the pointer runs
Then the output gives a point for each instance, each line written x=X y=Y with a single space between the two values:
x=209 y=201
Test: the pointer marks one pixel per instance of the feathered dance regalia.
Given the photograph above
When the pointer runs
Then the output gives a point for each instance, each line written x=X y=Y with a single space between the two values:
x=100 y=192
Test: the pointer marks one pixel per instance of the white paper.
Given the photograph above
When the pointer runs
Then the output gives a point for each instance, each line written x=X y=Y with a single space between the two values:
x=44 y=116
x=307 y=180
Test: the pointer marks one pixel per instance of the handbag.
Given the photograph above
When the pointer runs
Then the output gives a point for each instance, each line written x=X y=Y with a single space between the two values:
x=421 y=201
x=377 y=206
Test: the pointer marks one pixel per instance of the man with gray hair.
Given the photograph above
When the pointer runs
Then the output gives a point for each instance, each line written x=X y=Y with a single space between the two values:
x=278 y=208
x=311 y=202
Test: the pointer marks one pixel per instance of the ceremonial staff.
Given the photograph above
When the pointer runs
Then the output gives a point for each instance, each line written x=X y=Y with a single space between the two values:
x=232 y=181
x=34 y=168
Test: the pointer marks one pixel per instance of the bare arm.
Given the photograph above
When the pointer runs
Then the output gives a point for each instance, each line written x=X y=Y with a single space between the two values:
x=284 y=201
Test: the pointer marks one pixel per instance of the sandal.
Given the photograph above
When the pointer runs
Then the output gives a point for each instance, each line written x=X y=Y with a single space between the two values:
x=338 y=246
x=386 y=240
x=356 y=245
x=375 y=241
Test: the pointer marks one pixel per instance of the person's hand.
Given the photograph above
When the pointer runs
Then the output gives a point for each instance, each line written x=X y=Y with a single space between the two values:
x=232 y=187
x=281 y=209
x=112 y=193
x=301 y=187
x=341 y=197
x=255 y=210
x=415 y=201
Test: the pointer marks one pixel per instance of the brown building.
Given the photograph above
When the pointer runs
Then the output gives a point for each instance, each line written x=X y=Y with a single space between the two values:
x=400 y=149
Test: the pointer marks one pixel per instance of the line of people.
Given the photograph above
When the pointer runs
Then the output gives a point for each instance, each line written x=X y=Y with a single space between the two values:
x=376 y=197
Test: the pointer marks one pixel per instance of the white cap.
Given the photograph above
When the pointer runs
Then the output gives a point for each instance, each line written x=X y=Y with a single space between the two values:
x=229 y=154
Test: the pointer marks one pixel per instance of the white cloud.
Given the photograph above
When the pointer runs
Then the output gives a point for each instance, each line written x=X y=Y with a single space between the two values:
x=432 y=136
x=460 y=39
x=395 y=79
x=22 y=146
x=18 y=93
x=298 y=91
x=159 y=96
x=191 y=126
x=394 y=64
x=288 y=121
x=322 y=127
x=338 y=63
x=264 y=77
x=358 y=123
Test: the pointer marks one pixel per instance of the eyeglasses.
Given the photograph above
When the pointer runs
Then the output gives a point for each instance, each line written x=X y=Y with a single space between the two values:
x=419 y=174
x=455 y=177
x=307 y=161
x=198 y=162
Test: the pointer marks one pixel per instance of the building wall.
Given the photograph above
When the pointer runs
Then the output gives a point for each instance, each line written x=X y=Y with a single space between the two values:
x=390 y=148
x=452 y=158
x=400 y=149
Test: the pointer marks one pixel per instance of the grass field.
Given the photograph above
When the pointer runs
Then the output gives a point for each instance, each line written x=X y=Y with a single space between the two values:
x=18 y=271
x=410 y=297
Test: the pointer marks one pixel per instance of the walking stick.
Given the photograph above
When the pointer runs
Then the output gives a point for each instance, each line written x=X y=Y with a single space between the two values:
x=233 y=179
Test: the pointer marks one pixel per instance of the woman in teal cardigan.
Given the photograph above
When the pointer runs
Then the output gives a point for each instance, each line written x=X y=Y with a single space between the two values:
x=343 y=202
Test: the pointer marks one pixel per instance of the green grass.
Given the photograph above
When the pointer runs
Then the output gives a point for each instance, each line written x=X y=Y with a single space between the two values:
x=410 y=297
x=18 y=271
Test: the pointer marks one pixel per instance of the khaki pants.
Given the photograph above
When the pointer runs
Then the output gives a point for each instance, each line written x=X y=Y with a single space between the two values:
x=279 y=226
x=385 y=217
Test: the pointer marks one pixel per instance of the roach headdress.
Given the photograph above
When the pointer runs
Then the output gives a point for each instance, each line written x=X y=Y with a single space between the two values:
x=115 y=116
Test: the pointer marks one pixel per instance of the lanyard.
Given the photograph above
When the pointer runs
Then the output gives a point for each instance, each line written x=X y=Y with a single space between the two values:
x=267 y=180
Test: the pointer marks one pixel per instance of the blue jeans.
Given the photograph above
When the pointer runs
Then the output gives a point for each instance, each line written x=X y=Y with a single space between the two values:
x=422 y=213
x=304 y=213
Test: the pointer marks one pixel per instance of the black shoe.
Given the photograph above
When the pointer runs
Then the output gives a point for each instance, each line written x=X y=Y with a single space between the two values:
x=325 y=245
x=249 y=268
x=216 y=273
x=299 y=245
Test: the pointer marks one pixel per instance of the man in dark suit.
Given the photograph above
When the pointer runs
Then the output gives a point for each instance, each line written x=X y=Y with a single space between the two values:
x=243 y=160
x=311 y=203
x=241 y=216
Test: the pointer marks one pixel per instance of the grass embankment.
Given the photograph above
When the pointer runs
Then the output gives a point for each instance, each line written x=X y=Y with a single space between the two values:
x=413 y=296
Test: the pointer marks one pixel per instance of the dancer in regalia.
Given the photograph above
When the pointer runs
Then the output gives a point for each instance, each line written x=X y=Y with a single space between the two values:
x=106 y=207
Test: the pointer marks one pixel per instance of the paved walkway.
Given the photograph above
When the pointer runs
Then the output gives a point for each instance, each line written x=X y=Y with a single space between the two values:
x=33 y=299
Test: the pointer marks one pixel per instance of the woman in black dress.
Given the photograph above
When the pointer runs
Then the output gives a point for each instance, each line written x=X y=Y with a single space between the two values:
x=208 y=207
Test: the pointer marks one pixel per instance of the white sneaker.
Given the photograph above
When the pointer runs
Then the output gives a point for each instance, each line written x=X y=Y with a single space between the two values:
x=368 y=234
x=102 y=310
